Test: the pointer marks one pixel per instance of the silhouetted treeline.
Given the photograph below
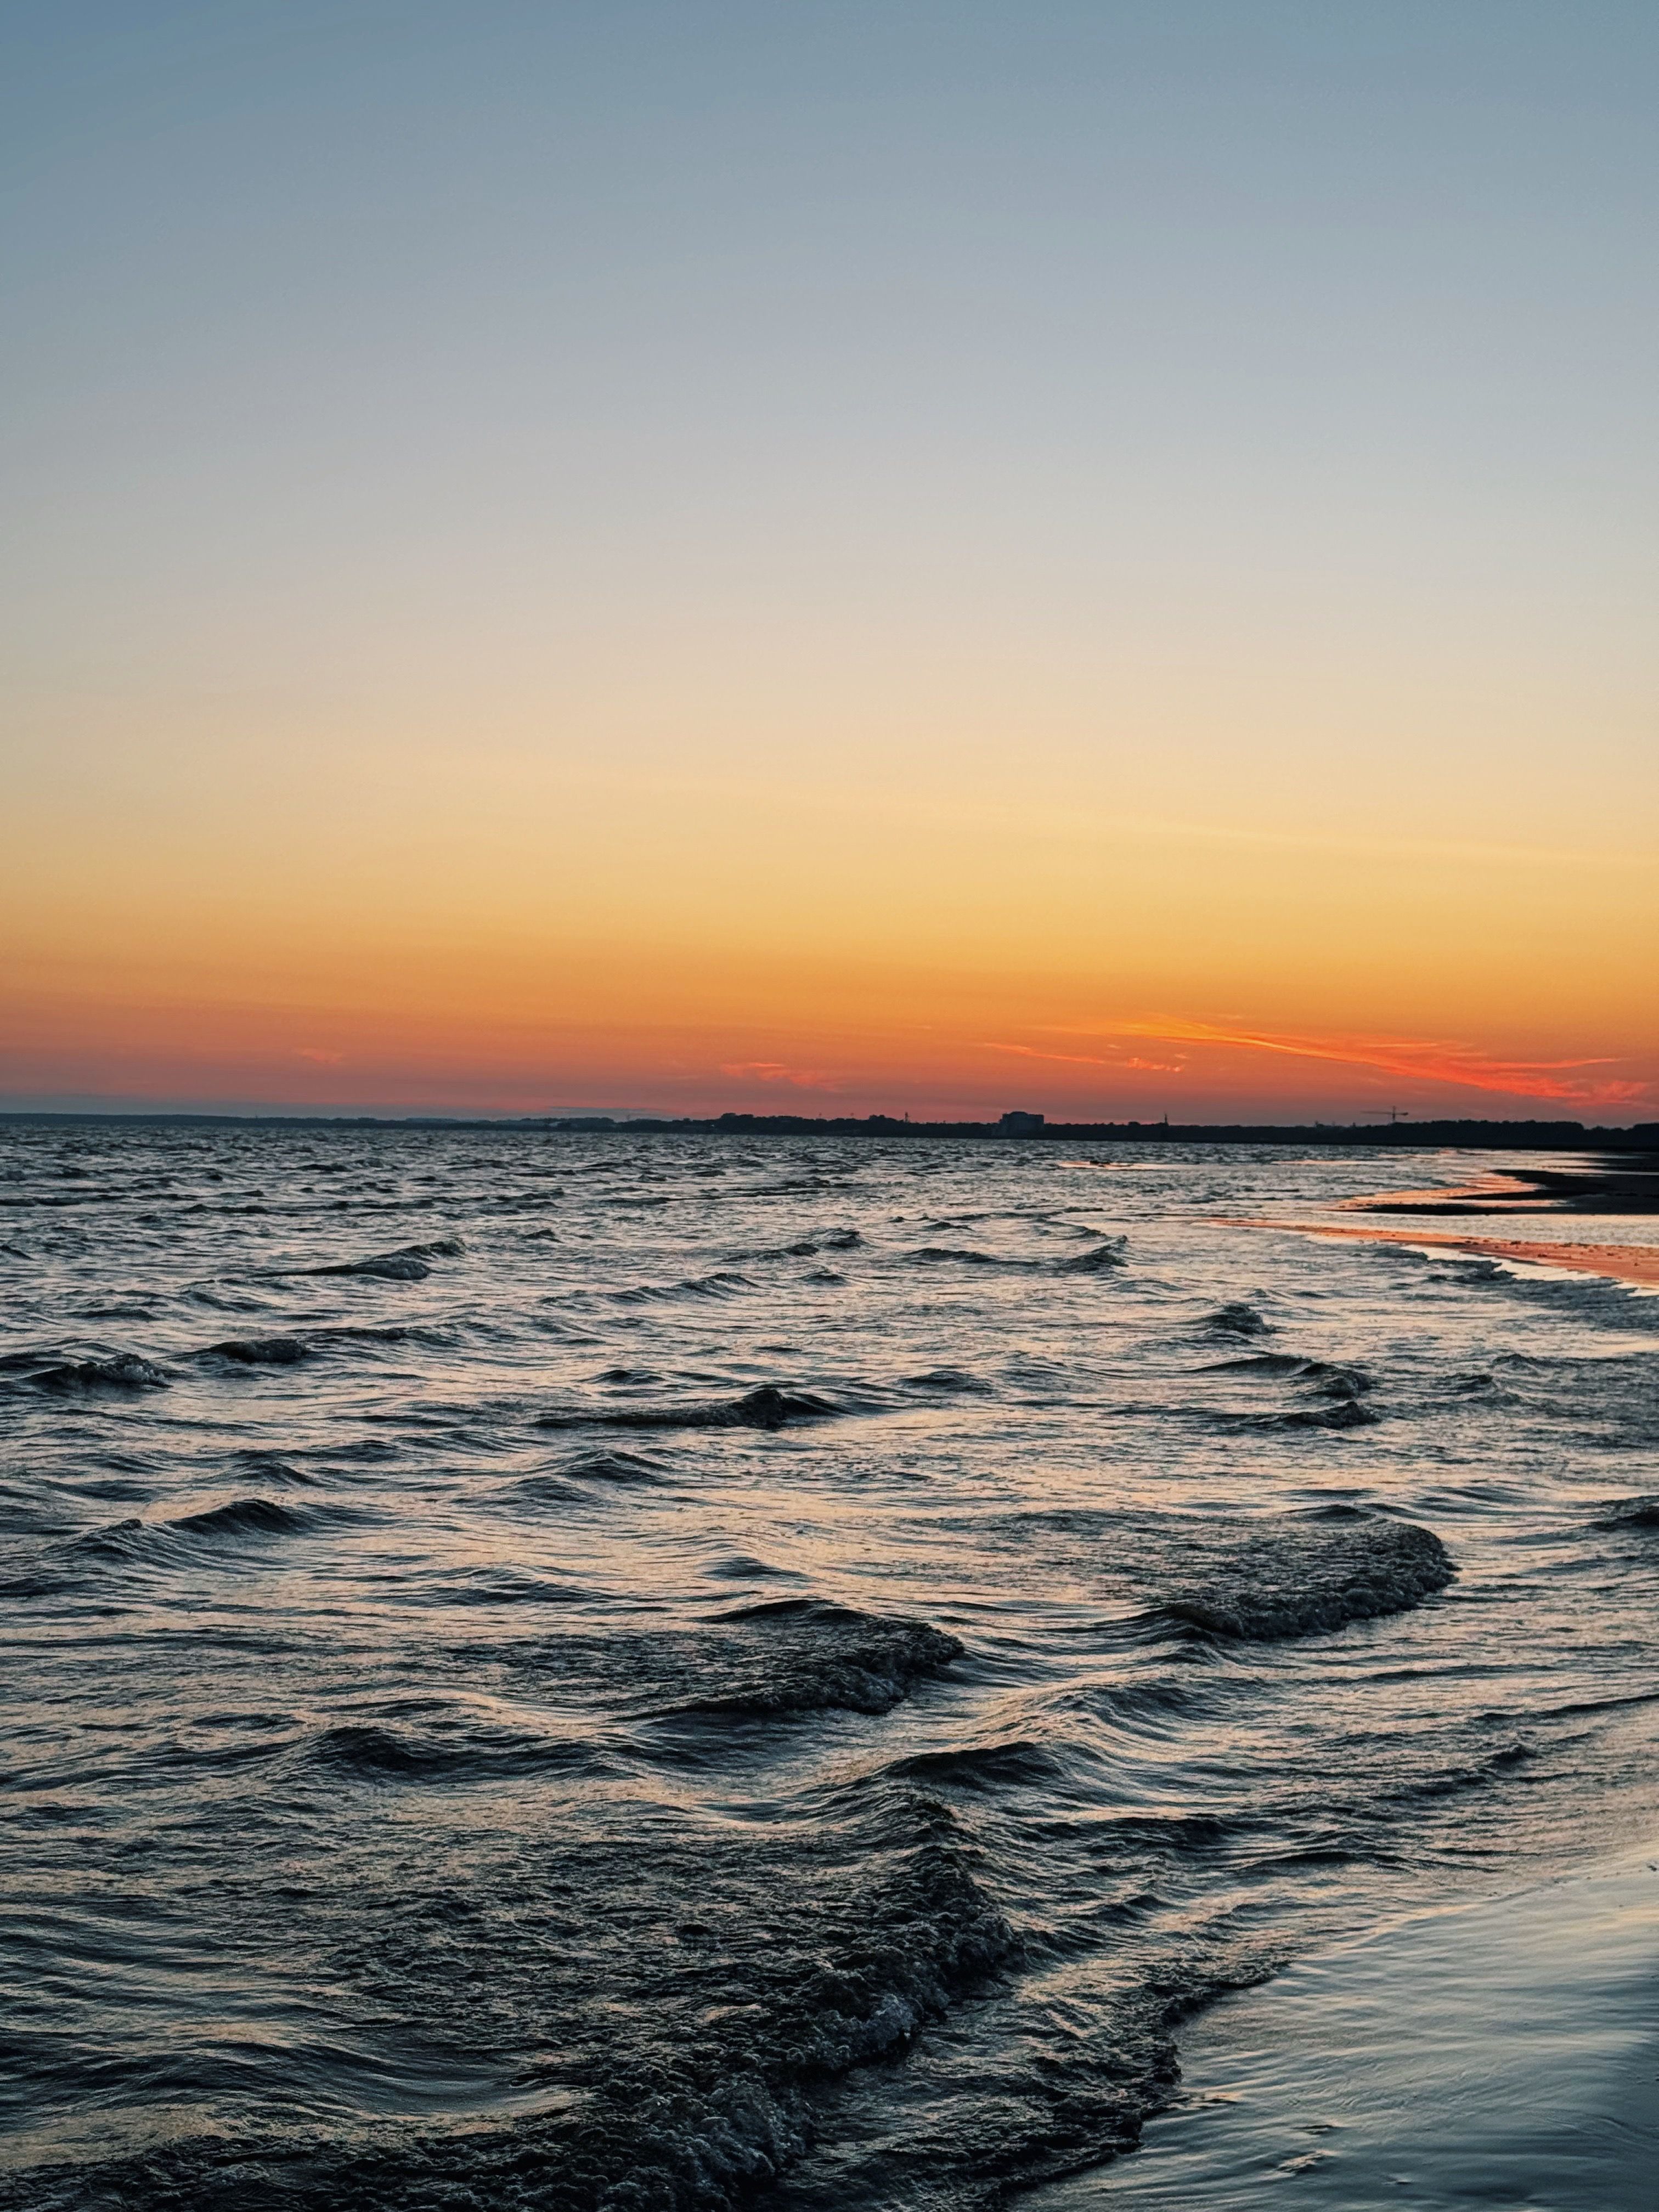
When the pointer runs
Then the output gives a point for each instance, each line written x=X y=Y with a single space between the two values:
x=1520 y=1136
x=1566 y=1136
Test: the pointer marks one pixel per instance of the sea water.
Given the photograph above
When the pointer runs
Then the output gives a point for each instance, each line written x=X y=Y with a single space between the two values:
x=556 y=1670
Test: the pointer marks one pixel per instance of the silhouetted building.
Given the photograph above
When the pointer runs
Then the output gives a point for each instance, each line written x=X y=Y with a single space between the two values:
x=1020 y=1125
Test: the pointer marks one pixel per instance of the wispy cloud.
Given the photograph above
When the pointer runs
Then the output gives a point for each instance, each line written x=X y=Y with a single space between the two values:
x=1079 y=822
x=1422 y=1060
x=772 y=1070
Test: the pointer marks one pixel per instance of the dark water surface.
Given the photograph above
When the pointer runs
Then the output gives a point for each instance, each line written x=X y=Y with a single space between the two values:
x=558 y=1671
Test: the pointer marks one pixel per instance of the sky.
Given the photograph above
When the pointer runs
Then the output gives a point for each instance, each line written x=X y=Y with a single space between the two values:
x=831 y=558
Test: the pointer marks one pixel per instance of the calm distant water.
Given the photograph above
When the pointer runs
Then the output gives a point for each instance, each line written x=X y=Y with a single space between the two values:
x=548 y=1671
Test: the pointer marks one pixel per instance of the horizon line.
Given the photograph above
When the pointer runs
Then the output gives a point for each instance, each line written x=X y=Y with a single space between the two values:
x=1035 y=1124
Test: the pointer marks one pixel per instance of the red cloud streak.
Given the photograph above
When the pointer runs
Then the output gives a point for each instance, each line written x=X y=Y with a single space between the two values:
x=1428 y=1060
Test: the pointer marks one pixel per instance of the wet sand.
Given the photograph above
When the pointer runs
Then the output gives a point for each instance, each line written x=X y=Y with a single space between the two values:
x=1501 y=2054
x=1628 y=1183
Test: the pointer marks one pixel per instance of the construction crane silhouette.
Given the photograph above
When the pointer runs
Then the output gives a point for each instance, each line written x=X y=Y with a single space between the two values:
x=1395 y=1112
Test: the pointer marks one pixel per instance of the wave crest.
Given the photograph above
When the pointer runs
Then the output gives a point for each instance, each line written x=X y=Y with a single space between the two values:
x=1291 y=1578
x=766 y=1407
x=120 y=1370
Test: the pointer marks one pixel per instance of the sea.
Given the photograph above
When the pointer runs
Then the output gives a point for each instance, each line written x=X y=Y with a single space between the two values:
x=652 y=1672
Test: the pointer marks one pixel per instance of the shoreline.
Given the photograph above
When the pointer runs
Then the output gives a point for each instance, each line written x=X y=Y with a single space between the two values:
x=1635 y=1264
x=1504 y=2051
x=1600 y=1185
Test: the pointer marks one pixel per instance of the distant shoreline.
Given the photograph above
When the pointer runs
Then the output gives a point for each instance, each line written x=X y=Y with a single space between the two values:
x=1417 y=1136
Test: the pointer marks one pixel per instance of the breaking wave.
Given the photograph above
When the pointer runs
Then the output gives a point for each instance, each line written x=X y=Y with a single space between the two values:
x=771 y=1658
x=260 y=1351
x=806 y=1655
x=724 y=1283
x=1097 y=1260
x=408 y=1263
x=766 y=1407
x=260 y=1516
x=120 y=1370
x=1629 y=1513
x=1237 y=1319
x=1292 y=1578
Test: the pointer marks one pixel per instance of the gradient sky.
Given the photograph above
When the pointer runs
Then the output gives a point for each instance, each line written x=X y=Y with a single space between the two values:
x=912 y=557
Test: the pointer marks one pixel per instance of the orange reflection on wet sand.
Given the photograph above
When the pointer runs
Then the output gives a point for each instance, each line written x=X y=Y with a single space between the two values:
x=1494 y=1192
x=1624 y=1263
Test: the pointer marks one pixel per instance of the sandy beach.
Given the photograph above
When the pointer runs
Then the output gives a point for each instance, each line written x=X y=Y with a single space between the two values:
x=1501 y=2054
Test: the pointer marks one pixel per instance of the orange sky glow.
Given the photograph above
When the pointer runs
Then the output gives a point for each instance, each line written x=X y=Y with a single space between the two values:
x=1108 y=572
x=488 y=927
